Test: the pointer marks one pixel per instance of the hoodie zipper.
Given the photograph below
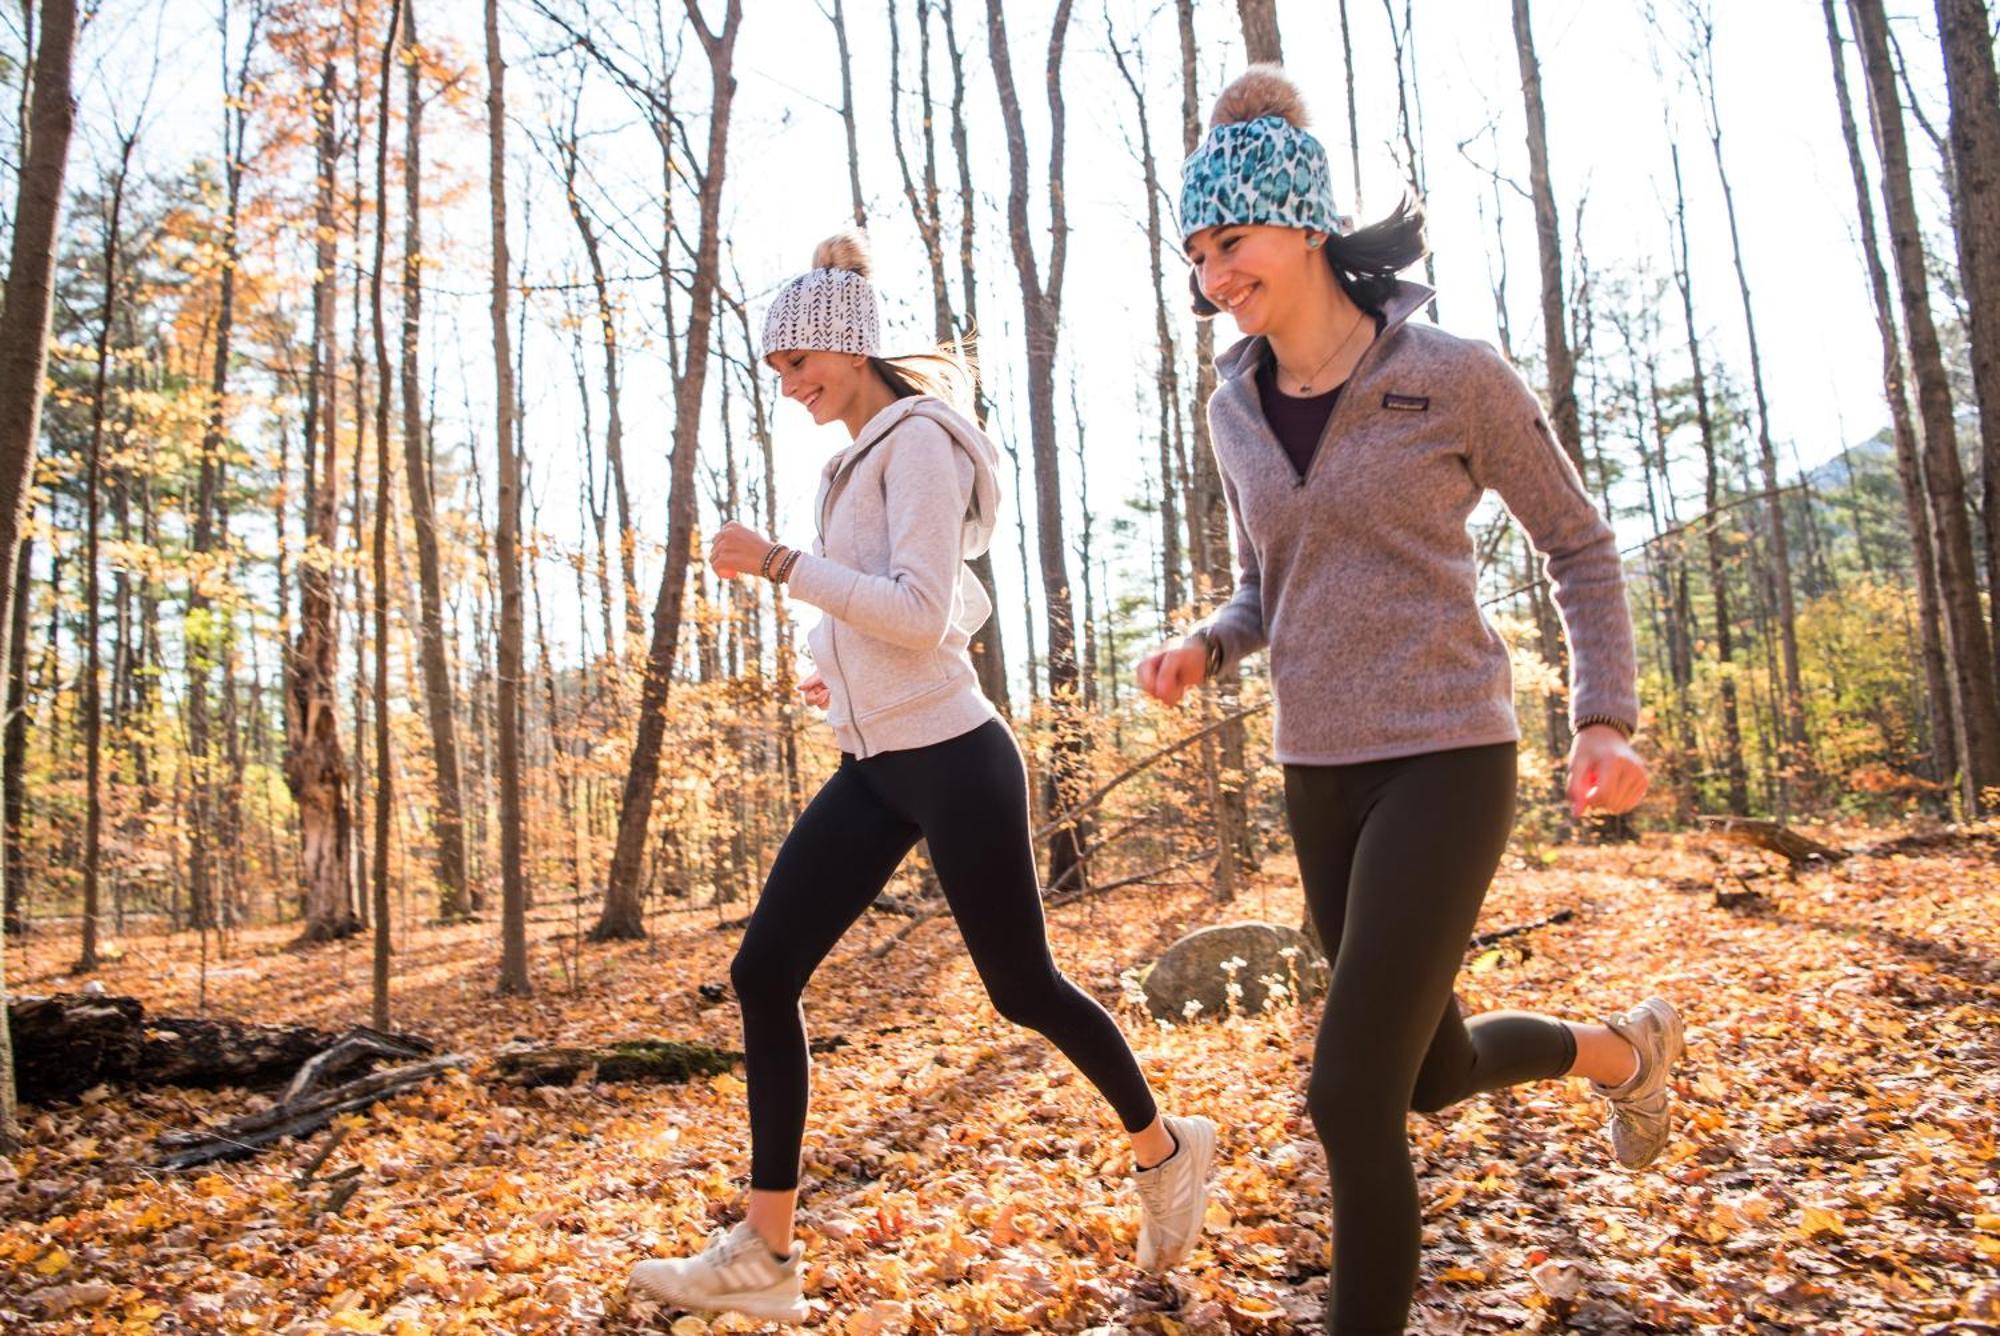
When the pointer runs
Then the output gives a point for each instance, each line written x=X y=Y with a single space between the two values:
x=833 y=647
x=833 y=623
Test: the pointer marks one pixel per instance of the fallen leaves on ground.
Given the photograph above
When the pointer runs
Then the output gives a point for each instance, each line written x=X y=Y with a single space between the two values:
x=1835 y=1167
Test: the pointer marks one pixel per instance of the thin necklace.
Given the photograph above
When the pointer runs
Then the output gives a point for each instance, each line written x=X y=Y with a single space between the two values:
x=1305 y=386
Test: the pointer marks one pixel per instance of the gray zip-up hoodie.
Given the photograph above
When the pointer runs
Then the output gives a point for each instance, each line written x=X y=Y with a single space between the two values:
x=899 y=512
x=1361 y=577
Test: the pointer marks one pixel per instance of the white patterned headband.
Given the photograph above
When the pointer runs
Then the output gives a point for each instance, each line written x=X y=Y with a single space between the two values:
x=829 y=308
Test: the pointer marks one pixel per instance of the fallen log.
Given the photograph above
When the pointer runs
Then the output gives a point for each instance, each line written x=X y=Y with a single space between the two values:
x=251 y=1133
x=1797 y=850
x=663 y=1060
x=301 y=1113
x=67 y=1043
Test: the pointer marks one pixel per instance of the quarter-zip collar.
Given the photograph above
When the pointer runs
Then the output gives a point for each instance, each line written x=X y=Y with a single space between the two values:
x=1237 y=367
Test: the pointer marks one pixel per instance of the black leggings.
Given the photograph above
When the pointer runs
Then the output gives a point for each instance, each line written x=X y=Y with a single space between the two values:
x=1395 y=857
x=969 y=797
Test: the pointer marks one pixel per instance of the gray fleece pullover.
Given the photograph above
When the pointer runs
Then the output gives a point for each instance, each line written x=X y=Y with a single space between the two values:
x=898 y=513
x=1361 y=577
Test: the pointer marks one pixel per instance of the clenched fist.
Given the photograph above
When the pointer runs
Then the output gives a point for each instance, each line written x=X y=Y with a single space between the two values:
x=1166 y=674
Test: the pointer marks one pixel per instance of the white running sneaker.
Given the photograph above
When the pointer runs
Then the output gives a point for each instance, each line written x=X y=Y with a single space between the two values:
x=1642 y=1107
x=736 y=1273
x=1173 y=1195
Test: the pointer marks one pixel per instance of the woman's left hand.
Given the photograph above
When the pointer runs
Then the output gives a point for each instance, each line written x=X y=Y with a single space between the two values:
x=736 y=550
x=1605 y=773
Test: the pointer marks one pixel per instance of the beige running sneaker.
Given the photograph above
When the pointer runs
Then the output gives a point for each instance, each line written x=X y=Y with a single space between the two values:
x=1642 y=1107
x=1173 y=1195
x=736 y=1273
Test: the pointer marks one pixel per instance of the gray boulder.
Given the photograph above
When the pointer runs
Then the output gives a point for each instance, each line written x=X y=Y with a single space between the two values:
x=1194 y=970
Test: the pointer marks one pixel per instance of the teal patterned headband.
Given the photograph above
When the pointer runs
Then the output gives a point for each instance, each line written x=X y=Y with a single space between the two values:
x=1262 y=171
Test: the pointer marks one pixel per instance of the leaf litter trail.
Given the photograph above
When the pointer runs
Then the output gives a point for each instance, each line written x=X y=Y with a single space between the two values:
x=1835 y=1169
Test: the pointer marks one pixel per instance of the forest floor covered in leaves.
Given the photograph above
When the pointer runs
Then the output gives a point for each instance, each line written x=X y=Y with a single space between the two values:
x=1834 y=1170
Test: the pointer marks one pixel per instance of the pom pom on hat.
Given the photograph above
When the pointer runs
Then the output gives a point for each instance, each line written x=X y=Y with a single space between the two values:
x=846 y=249
x=1261 y=90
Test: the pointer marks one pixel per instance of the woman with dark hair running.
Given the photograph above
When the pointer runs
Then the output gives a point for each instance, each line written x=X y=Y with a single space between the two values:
x=923 y=756
x=1353 y=446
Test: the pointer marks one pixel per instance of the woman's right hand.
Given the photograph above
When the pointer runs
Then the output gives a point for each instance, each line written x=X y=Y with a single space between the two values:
x=1167 y=674
x=813 y=687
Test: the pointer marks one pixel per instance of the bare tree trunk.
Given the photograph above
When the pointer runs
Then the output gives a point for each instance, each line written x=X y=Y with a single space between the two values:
x=229 y=822
x=1732 y=729
x=1208 y=510
x=514 y=979
x=1409 y=115
x=988 y=650
x=1353 y=122
x=925 y=208
x=1555 y=325
x=622 y=915
x=1209 y=553
x=1041 y=304
x=15 y=784
x=1564 y=417
x=614 y=437
x=1174 y=597
x=1965 y=29
x=1671 y=630
x=453 y=903
x=1027 y=578
x=1088 y=672
x=205 y=635
x=315 y=770
x=1260 y=31
x=385 y=498
x=92 y=704
x=1966 y=643
x=838 y=17
x=1795 y=762
x=781 y=622
x=1937 y=677
x=24 y=336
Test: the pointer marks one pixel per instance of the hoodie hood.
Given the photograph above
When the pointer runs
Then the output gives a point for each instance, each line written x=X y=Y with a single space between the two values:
x=982 y=511
x=1405 y=300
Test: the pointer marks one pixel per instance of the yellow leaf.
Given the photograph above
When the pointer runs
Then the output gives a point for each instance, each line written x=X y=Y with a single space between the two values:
x=53 y=1263
x=1816 y=1220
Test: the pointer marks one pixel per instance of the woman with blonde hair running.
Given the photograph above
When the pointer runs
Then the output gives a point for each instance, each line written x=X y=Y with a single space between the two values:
x=900 y=509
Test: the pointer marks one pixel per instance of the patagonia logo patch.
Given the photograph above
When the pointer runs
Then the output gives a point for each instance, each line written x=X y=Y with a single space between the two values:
x=1407 y=403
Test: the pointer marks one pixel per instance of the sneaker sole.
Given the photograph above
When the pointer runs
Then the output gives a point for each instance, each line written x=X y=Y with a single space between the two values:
x=750 y=1305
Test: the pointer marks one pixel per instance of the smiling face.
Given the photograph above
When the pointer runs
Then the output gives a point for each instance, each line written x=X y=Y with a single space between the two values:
x=1256 y=273
x=825 y=383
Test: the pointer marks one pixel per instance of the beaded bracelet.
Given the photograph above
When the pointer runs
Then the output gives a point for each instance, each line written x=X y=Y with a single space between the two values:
x=1211 y=653
x=764 y=566
x=1624 y=729
x=785 y=567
